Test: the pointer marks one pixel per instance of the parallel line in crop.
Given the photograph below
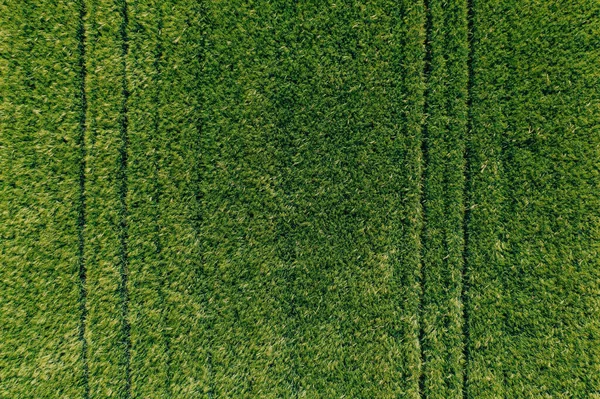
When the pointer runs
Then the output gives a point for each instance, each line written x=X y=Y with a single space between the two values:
x=105 y=229
x=168 y=295
x=457 y=53
x=464 y=295
x=443 y=203
x=483 y=258
x=123 y=192
x=422 y=279
x=81 y=218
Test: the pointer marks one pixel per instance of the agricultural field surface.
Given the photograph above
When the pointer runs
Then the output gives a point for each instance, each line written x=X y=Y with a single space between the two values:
x=300 y=199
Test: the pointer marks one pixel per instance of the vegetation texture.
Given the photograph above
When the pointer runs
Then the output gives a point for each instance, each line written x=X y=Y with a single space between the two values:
x=299 y=199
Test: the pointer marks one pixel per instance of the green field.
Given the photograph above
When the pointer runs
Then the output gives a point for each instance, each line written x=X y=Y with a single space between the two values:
x=300 y=199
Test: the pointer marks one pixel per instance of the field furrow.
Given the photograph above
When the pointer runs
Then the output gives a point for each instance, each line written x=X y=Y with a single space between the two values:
x=167 y=285
x=105 y=187
x=443 y=199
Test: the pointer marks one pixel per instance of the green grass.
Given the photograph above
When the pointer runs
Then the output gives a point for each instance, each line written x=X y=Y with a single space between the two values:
x=443 y=200
x=299 y=199
x=40 y=156
x=533 y=232
x=105 y=254
x=163 y=252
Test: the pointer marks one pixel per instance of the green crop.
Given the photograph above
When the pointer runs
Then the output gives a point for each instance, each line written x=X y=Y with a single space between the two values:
x=299 y=199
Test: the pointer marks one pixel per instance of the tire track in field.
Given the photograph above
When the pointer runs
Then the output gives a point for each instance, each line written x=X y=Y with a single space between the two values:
x=457 y=50
x=422 y=282
x=123 y=191
x=467 y=202
x=409 y=259
x=170 y=326
x=81 y=207
x=446 y=73
x=102 y=243
x=106 y=187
